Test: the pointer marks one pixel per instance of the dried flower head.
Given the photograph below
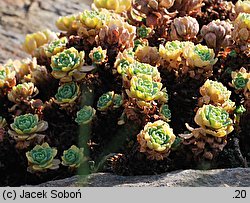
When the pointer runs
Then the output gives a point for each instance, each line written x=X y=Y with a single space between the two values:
x=187 y=7
x=147 y=54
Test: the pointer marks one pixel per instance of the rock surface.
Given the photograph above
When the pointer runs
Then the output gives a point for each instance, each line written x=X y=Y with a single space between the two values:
x=236 y=177
x=21 y=17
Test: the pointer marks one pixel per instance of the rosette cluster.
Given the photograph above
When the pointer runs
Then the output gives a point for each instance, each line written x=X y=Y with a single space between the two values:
x=217 y=34
x=73 y=157
x=119 y=6
x=216 y=93
x=241 y=31
x=67 y=94
x=109 y=100
x=67 y=65
x=241 y=84
x=156 y=140
x=41 y=158
x=26 y=129
x=186 y=58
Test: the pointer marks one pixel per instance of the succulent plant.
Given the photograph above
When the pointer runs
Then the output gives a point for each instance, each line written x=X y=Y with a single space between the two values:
x=36 y=40
x=156 y=139
x=7 y=77
x=165 y=112
x=119 y=6
x=240 y=110
x=183 y=28
x=22 y=92
x=41 y=158
x=143 y=32
x=187 y=7
x=117 y=101
x=140 y=43
x=105 y=101
x=22 y=68
x=144 y=89
x=240 y=79
x=199 y=56
x=73 y=157
x=242 y=6
x=117 y=32
x=26 y=128
x=68 y=64
x=85 y=115
x=214 y=120
x=217 y=34
x=56 y=46
x=66 y=23
x=147 y=54
x=215 y=92
x=241 y=31
x=123 y=61
x=137 y=68
x=67 y=93
x=172 y=50
x=3 y=122
x=93 y=19
x=98 y=55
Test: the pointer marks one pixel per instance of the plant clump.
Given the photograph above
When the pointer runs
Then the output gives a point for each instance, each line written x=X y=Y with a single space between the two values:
x=26 y=129
x=156 y=139
x=41 y=158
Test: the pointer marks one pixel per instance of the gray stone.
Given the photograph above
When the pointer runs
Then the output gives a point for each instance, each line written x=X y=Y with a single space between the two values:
x=21 y=17
x=235 y=177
